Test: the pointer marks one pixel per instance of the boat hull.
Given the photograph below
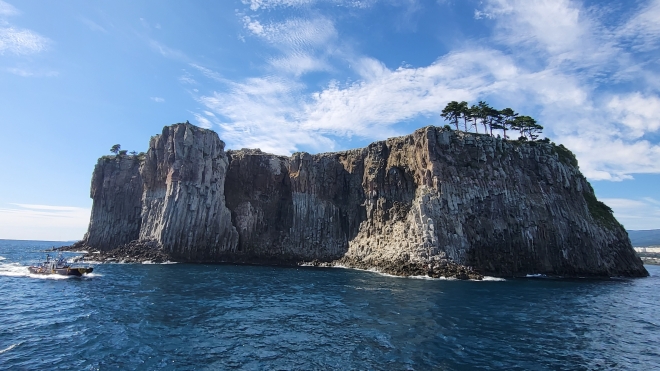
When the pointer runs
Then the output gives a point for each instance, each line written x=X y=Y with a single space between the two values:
x=61 y=271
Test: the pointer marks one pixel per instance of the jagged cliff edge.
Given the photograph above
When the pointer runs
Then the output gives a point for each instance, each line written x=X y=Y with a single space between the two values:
x=437 y=202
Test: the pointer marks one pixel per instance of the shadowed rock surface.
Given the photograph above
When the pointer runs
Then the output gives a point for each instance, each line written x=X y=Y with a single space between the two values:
x=436 y=202
x=116 y=211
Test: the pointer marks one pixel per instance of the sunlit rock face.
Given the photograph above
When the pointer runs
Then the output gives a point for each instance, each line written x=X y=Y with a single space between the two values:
x=433 y=201
x=183 y=202
x=116 y=211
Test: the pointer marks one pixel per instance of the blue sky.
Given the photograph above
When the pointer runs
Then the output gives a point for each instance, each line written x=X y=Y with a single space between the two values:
x=77 y=77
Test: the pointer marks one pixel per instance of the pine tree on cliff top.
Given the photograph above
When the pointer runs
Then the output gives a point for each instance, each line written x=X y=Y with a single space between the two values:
x=451 y=113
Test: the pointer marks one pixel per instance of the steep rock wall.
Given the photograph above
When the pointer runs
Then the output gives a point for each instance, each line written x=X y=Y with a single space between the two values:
x=504 y=208
x=183 y=201
x=299 y=208
x=431 y=199
x=116 y=190
x=435 y=196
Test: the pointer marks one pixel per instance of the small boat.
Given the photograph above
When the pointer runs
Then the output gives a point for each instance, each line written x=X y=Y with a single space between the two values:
x=58 y=266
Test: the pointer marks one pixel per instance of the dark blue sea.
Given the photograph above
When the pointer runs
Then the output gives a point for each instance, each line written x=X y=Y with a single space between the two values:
x=225 y=317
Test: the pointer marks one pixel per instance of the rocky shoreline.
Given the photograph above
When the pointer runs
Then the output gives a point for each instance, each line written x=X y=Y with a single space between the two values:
x=133 y=252
x=152 y=252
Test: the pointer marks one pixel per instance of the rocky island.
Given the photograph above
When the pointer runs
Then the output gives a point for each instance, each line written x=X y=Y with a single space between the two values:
x=437 y=202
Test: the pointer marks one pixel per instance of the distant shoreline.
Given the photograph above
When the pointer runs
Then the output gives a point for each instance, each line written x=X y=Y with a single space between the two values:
x=649 y=254
x=15 y=239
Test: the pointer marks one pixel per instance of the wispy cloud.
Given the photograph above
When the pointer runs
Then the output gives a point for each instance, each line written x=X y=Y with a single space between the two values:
x=27 y=221
x=271 y=4
x=305 y=44
x=7 y=9
x=157 y=99
x=636 y=214
x=295 y=33
x=209 y=73
x=93 y=25
x=166 y=51
x=202 y=121
x=18 y=41
x=187 y=78
x=643 y=29
x=555 y=58
x=21 y=41
x=24 y=72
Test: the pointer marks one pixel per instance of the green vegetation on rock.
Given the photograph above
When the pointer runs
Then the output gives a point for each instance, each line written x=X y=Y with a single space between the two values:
x=599 y=211
x=565 y=155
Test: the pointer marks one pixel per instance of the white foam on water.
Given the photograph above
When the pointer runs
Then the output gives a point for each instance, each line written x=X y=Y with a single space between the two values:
x=163 y=263
x=489 y=278
x=91 y=275
x=18 y=270
x=2 y=258
x=9 y=348
x=535 y=275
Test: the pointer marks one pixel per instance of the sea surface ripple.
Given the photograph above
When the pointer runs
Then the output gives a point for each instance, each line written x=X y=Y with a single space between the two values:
x=223 y=317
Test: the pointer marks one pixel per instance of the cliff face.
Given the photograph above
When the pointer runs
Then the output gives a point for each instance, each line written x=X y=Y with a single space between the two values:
x=429 y=199
x=116 y=190
x=504 y=208
x=299 y=208
x=183 y=201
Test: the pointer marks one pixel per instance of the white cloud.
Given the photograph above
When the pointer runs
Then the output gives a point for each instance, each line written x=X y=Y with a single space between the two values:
x=295 y=33
x=305 y=44
x=270 y=4
x=157 y=99
x=186 y=78
x=555 y=58
x=202 y=121
x=21 y=42
x=166 y=51
x=262 y=112
x=298 y=64
x=643 y=29
x=23 y=72
x=636 y=214
x=639 y=113
x=43 y=222
x=209 y=73
x=93 y=25
x=7 y=9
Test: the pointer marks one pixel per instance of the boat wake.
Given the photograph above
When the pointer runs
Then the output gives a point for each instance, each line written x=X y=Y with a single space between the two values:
x=19 y=270
x=9 y=348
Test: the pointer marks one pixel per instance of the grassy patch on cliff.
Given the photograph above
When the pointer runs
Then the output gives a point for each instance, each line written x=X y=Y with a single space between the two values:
x=599 y=211
x=565 y=155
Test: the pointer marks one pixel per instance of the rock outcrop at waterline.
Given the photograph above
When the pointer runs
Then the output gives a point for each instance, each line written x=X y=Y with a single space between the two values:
x=438 y=201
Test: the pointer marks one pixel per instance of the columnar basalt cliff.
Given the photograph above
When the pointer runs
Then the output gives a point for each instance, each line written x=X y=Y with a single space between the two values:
x=183 y=204
x=438 y=202
x=116 y=211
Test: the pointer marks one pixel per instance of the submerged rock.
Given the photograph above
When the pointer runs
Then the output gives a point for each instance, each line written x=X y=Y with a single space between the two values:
x=437 y=202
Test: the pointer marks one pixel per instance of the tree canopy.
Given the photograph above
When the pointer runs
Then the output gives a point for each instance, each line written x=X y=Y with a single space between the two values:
x=491 y=119
x=115 y=149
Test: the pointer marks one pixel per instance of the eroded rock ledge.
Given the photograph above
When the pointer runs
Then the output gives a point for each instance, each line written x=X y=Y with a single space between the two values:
x=436 y=202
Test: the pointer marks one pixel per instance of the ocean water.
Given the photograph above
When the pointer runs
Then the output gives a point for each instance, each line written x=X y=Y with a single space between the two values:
x=224 y=317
